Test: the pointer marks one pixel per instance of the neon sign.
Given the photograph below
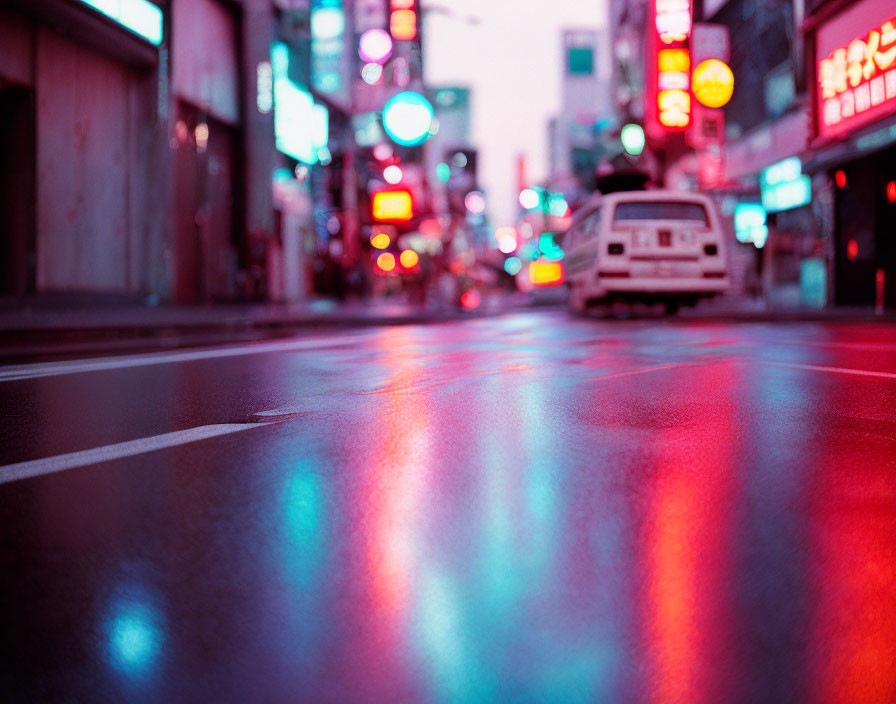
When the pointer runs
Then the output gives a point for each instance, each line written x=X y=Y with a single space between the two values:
x=403 y=19
x=392 y=206
x=672 y=20
x=855 y=80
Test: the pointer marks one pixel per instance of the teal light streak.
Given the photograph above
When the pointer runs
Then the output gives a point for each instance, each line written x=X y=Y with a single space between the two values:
x=139 y=16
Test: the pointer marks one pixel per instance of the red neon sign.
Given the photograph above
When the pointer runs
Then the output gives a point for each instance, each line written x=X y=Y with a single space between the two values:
x=857 y=82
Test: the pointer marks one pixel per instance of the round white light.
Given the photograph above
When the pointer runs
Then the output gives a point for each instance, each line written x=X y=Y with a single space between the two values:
x=529 y=198
x=375 y=45
x=372 y=74
x=327 y=23
x=382 y=151
x=475 y=202
x=392 y=174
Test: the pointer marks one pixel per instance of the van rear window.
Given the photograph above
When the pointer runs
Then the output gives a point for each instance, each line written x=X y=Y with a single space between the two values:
x=660 y=210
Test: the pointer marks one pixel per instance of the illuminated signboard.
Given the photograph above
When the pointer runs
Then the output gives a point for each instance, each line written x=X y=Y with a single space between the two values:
x=784 y=186
x=750 y=224
x=713 y=83
x=327 y=45
x=403 y=19
x=392 y=206
x=672 y=24
x=856 y=82
x=301 y=126
x=140 y=16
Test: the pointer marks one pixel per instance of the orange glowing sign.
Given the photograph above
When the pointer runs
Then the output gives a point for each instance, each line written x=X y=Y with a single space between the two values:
x=545 y=273
x=674 y=108
x=403 y=20
x=392 y=206
x=674 y=61
x=855 y=80
x=712 y=83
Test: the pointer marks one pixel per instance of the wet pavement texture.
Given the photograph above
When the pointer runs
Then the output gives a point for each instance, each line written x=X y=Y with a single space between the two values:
x=524 y=508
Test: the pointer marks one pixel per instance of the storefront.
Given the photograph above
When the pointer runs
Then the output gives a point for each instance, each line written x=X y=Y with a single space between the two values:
x=78 y=125
x=853 y=149
x=773 y=214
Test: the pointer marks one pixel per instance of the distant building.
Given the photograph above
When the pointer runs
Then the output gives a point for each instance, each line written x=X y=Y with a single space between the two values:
x=575 y=135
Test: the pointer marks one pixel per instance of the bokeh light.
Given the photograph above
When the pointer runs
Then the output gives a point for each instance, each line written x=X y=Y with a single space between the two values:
x=407 y=118
x=386 y=261
x=409 y=259
x=392 y=174
x=327 y=23
x=529 y=198
x=375 y=46
x=380 y=240
x=470 y=299
x=507 y=239
x=443 y=172
x=372 y=74
x=512 y=265
x=475 y=202
x=632 y=137
x=382 y=151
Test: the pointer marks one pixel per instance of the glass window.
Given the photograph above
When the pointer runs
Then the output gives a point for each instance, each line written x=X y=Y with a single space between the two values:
x=660 y=210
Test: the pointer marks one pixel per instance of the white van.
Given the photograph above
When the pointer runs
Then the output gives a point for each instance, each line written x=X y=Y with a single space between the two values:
x=650 y=246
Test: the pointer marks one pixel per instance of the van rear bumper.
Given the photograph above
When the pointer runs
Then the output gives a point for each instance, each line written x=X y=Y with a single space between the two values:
x=658 y=286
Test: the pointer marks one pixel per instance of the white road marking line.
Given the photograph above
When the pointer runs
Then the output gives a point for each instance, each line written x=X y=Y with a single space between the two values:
x=71 y=460
x=835 y=370
x=633 y=372
x=33 y=371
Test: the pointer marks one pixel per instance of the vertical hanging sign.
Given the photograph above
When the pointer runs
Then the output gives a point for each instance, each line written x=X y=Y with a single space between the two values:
x=669 y=69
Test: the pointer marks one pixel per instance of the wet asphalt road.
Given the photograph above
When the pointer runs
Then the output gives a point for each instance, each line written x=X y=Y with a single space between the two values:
x=525 y=508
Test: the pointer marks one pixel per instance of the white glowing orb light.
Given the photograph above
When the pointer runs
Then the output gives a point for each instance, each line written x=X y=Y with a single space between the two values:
x=507 y=239
x=382 y=151
x=475 y=202
x=407 y=118
x=529 y=198
x=375 y=46
x=392 y=174
x=327 y=23
x=372 y=74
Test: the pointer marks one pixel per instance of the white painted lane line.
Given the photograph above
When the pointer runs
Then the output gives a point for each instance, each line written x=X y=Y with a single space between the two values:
x=835 y=370
x=33 y=371
x=619 y=375
x=71 y=460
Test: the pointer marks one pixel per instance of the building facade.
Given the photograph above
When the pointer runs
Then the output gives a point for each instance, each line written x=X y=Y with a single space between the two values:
x=851 y=84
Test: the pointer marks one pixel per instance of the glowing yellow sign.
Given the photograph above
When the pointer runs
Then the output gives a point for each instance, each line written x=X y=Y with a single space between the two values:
x=678 y=60
x=392 y=206
x=712 y=83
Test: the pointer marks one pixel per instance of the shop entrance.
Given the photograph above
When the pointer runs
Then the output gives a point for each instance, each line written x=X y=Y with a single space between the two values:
x=17 y=190
x=866 y=228
x=205 y=209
